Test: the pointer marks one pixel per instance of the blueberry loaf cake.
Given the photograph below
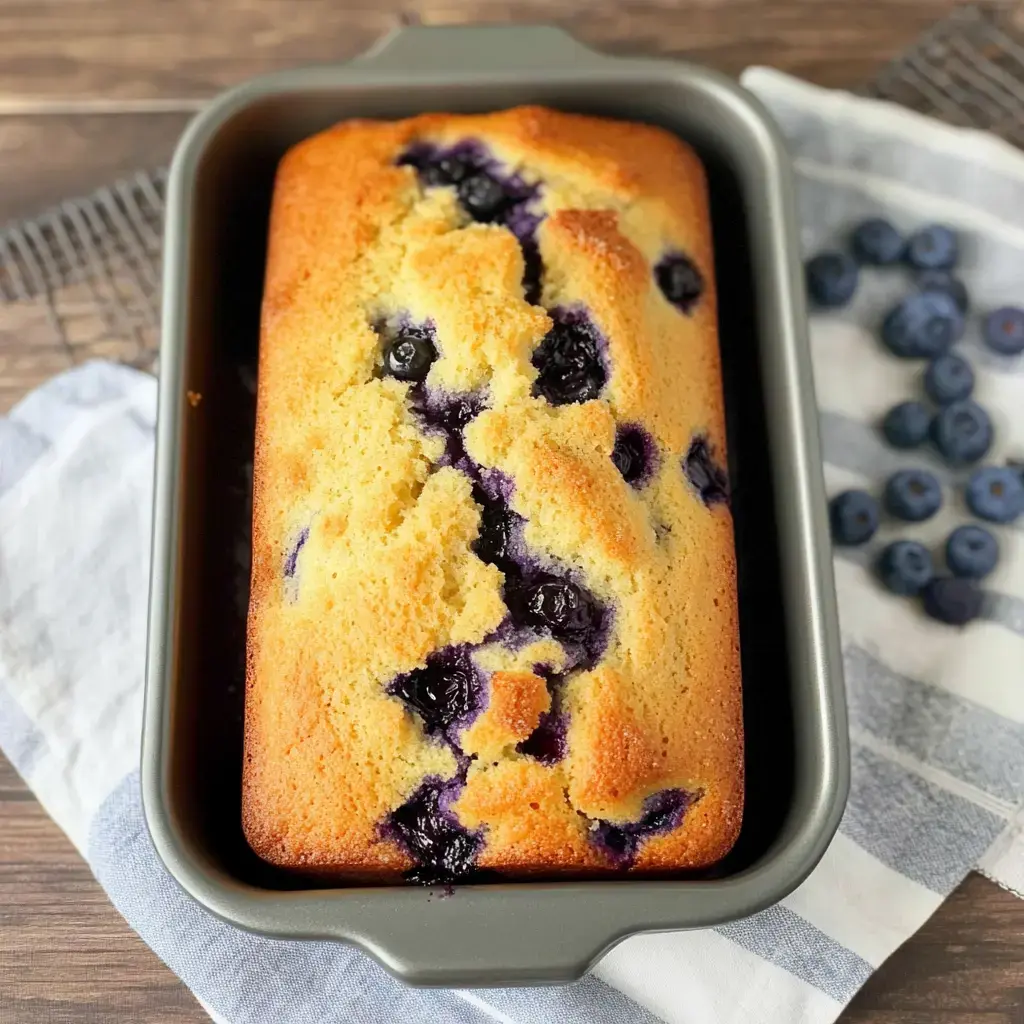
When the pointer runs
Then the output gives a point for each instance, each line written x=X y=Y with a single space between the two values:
x=493 y=619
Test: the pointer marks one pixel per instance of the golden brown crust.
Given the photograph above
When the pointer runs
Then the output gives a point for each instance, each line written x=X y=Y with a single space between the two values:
x=516 y=701
x=385 y=573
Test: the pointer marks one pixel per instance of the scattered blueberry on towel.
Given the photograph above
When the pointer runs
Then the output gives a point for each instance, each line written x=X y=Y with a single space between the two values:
x=925 y=324
x=906 y=425
x=971 y=552
x=922 y=326
x=932 y=248
x=905 y=567
x=913 y=495
x=944 y=281
x=831 y=279
x=952 y=600
x=876 y=242
x=1003 y=330
x=995 y=493
x=949 y=378
x=854 y=517
x=962 y=432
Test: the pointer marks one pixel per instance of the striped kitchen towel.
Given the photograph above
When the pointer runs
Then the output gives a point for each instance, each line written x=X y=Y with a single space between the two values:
x=937 y=714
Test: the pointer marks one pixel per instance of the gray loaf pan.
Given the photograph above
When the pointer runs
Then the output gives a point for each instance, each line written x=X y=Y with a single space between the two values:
x=796 y=747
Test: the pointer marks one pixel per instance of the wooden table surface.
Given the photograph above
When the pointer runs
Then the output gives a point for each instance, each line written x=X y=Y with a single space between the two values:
x=90 y=89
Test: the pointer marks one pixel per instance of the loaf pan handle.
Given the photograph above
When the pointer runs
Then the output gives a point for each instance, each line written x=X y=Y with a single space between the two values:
x=476 y=48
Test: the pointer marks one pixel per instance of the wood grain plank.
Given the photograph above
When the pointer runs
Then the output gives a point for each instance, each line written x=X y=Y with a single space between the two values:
x=965 y=965
x=80 y=50
x=46 y=159
x=65 y=953
x=30 y=353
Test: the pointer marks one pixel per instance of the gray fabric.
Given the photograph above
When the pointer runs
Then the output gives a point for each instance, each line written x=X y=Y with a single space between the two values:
x=970 y=742
x=919 y=829
x=787 y=940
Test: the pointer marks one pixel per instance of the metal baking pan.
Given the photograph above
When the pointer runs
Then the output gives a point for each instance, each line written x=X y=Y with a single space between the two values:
x=796 y=747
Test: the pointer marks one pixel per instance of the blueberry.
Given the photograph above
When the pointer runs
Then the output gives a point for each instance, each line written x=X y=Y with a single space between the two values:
x=912 y=494
x=449 y=170
x=906 y=425
x=949 y=378
x=555 y=605
x=497 y=527
x=932 y=248
x=905 y=567
x=706 y=476
x=995 y=493
x=953 y=601
x=547 y=743
x=680 y=281
x=484 y=198
x=962 y=432
x=447 y=690
x=661 y=813
x=569 y=362
x=854 y=517
x=443 y=849
x=633 y=454
x=877 y=242
x=831 y=278
x=409 y=355
x=533 y=269
x=923 y=325
x=442 y=167
x=971 y=552
x=944 y=281
x=1003 y=331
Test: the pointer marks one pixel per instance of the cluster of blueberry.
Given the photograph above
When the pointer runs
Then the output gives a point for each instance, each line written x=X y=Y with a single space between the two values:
x=486 y=193
x=924 y=325
x=571 y=364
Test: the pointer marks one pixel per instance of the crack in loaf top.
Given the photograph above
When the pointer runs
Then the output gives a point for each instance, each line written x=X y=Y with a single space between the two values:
x=508 y=316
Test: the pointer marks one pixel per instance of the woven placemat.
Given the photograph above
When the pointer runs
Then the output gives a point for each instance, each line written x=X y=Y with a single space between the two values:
x=90 y=267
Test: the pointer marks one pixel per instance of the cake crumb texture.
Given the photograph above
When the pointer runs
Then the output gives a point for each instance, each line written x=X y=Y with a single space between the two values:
x=493 y=618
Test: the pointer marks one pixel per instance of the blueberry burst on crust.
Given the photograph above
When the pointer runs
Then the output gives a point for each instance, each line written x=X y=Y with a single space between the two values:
x=493 y=624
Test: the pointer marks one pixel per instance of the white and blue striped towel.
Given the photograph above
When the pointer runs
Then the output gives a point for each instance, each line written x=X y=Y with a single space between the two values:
x=937 y=714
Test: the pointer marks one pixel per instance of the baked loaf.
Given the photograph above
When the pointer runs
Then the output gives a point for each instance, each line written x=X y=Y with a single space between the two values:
x=493 y=619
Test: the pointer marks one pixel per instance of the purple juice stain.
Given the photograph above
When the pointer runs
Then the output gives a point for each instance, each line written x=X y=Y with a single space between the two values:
x=547 y=743
x=662 y=812
x=680 y=281
x=499 y=528
x=706 y=476
x=541 y=601
x=448 y=415
x=570 y=361
x=445 y=851
x=445 y=694
x=635 y=454
x=291 y=561
x=488 y=194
